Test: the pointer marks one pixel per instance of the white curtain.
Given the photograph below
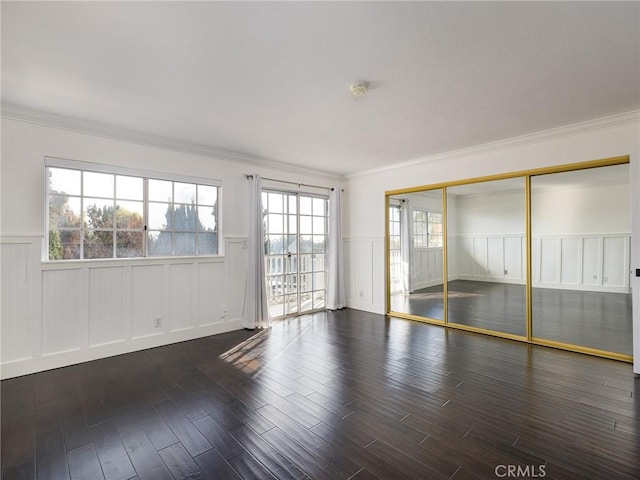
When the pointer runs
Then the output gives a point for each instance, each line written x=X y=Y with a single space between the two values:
x=336 y=297
x=406 y=229
x=256 y=308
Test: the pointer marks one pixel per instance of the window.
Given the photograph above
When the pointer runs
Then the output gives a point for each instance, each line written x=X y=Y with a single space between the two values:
x=95 y=214
x=420 y=228
x=427 y=229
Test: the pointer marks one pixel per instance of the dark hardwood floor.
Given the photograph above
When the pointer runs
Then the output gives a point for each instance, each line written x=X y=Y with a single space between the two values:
x=334 y=395
x=590 y=319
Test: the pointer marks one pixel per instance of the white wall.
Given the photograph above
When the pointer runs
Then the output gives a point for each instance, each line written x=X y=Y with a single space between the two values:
x=602 y=138
x=56 y=314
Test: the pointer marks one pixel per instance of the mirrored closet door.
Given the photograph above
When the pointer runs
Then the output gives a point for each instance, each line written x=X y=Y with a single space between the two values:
x=581 y=239
x=486 y=244
x=542 y=256
x=416 y=259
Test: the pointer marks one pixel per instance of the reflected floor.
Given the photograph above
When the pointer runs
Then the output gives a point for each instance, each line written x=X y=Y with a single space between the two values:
x=591 y=319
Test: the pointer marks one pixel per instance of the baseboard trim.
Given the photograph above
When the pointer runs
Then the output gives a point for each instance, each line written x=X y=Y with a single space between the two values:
x=64 y=359
x=366 y=307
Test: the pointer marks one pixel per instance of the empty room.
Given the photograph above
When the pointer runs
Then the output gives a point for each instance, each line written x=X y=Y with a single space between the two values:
x=320 y=240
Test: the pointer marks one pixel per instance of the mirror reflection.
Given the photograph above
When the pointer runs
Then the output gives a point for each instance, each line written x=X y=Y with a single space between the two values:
x=416 y=254
x=581 y=240
x=486 y=225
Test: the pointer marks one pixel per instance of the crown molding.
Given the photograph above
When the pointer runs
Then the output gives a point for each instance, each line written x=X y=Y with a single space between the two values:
x=603 y=123
x=38 y=117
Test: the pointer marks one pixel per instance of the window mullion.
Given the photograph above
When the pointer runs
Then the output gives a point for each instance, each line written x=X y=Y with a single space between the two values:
x=114 y=242
x=145 y=213
x=82 y=215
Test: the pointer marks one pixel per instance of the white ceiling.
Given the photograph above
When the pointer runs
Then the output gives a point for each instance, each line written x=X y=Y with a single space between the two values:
x=272 y=79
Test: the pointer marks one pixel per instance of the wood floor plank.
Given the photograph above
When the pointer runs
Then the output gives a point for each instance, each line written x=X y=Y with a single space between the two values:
x=144 y=457
x=310 y=463
x=268 y=456
x=183 y=429
x=249 y=468
x=111 y=452
x=217 y=436
x=349 y=394
x=214 y=466
x=310 y=441
x=84 y=464
x=180 y=464
x=51 y=459
x=158 y=432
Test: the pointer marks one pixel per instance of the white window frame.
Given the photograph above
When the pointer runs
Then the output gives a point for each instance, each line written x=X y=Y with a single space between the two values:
x=422 y=240
x=55 y=162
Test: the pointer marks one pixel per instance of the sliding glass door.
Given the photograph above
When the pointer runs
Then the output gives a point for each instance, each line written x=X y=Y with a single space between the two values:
x=295 y=251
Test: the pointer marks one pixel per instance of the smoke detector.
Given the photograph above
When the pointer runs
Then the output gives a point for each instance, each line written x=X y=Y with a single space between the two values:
x=359 y=89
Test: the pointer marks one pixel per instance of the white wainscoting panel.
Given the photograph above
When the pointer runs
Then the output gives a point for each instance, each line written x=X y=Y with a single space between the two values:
x=465 y=257
x=61 y=299
x=182 y=296
x=427 y=267
x=574 y=262
x=362 y=257
x=550 y=256
x=148 y=296
x=514 y=257
x=16 y=317
x=495 y=256
x=480 y=257
x=615 y=264
x=591 y=260
x=365 y=279
x=210 y=294
x=106 y=319
x=571 y=261
x=60 y=313
x=235 y=275
x=378 y=292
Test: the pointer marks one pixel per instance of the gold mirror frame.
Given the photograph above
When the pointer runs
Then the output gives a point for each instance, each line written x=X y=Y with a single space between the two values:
x=526 y=175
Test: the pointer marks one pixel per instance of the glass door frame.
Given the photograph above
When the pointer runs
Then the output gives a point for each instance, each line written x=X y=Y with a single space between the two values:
x=298 y=255
x=526 y=175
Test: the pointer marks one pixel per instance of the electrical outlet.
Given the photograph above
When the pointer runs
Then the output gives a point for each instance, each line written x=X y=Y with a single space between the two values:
x=224 y=311
x=506 y=272
x=158 y=322
x=361 y=293
x=595 y=277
